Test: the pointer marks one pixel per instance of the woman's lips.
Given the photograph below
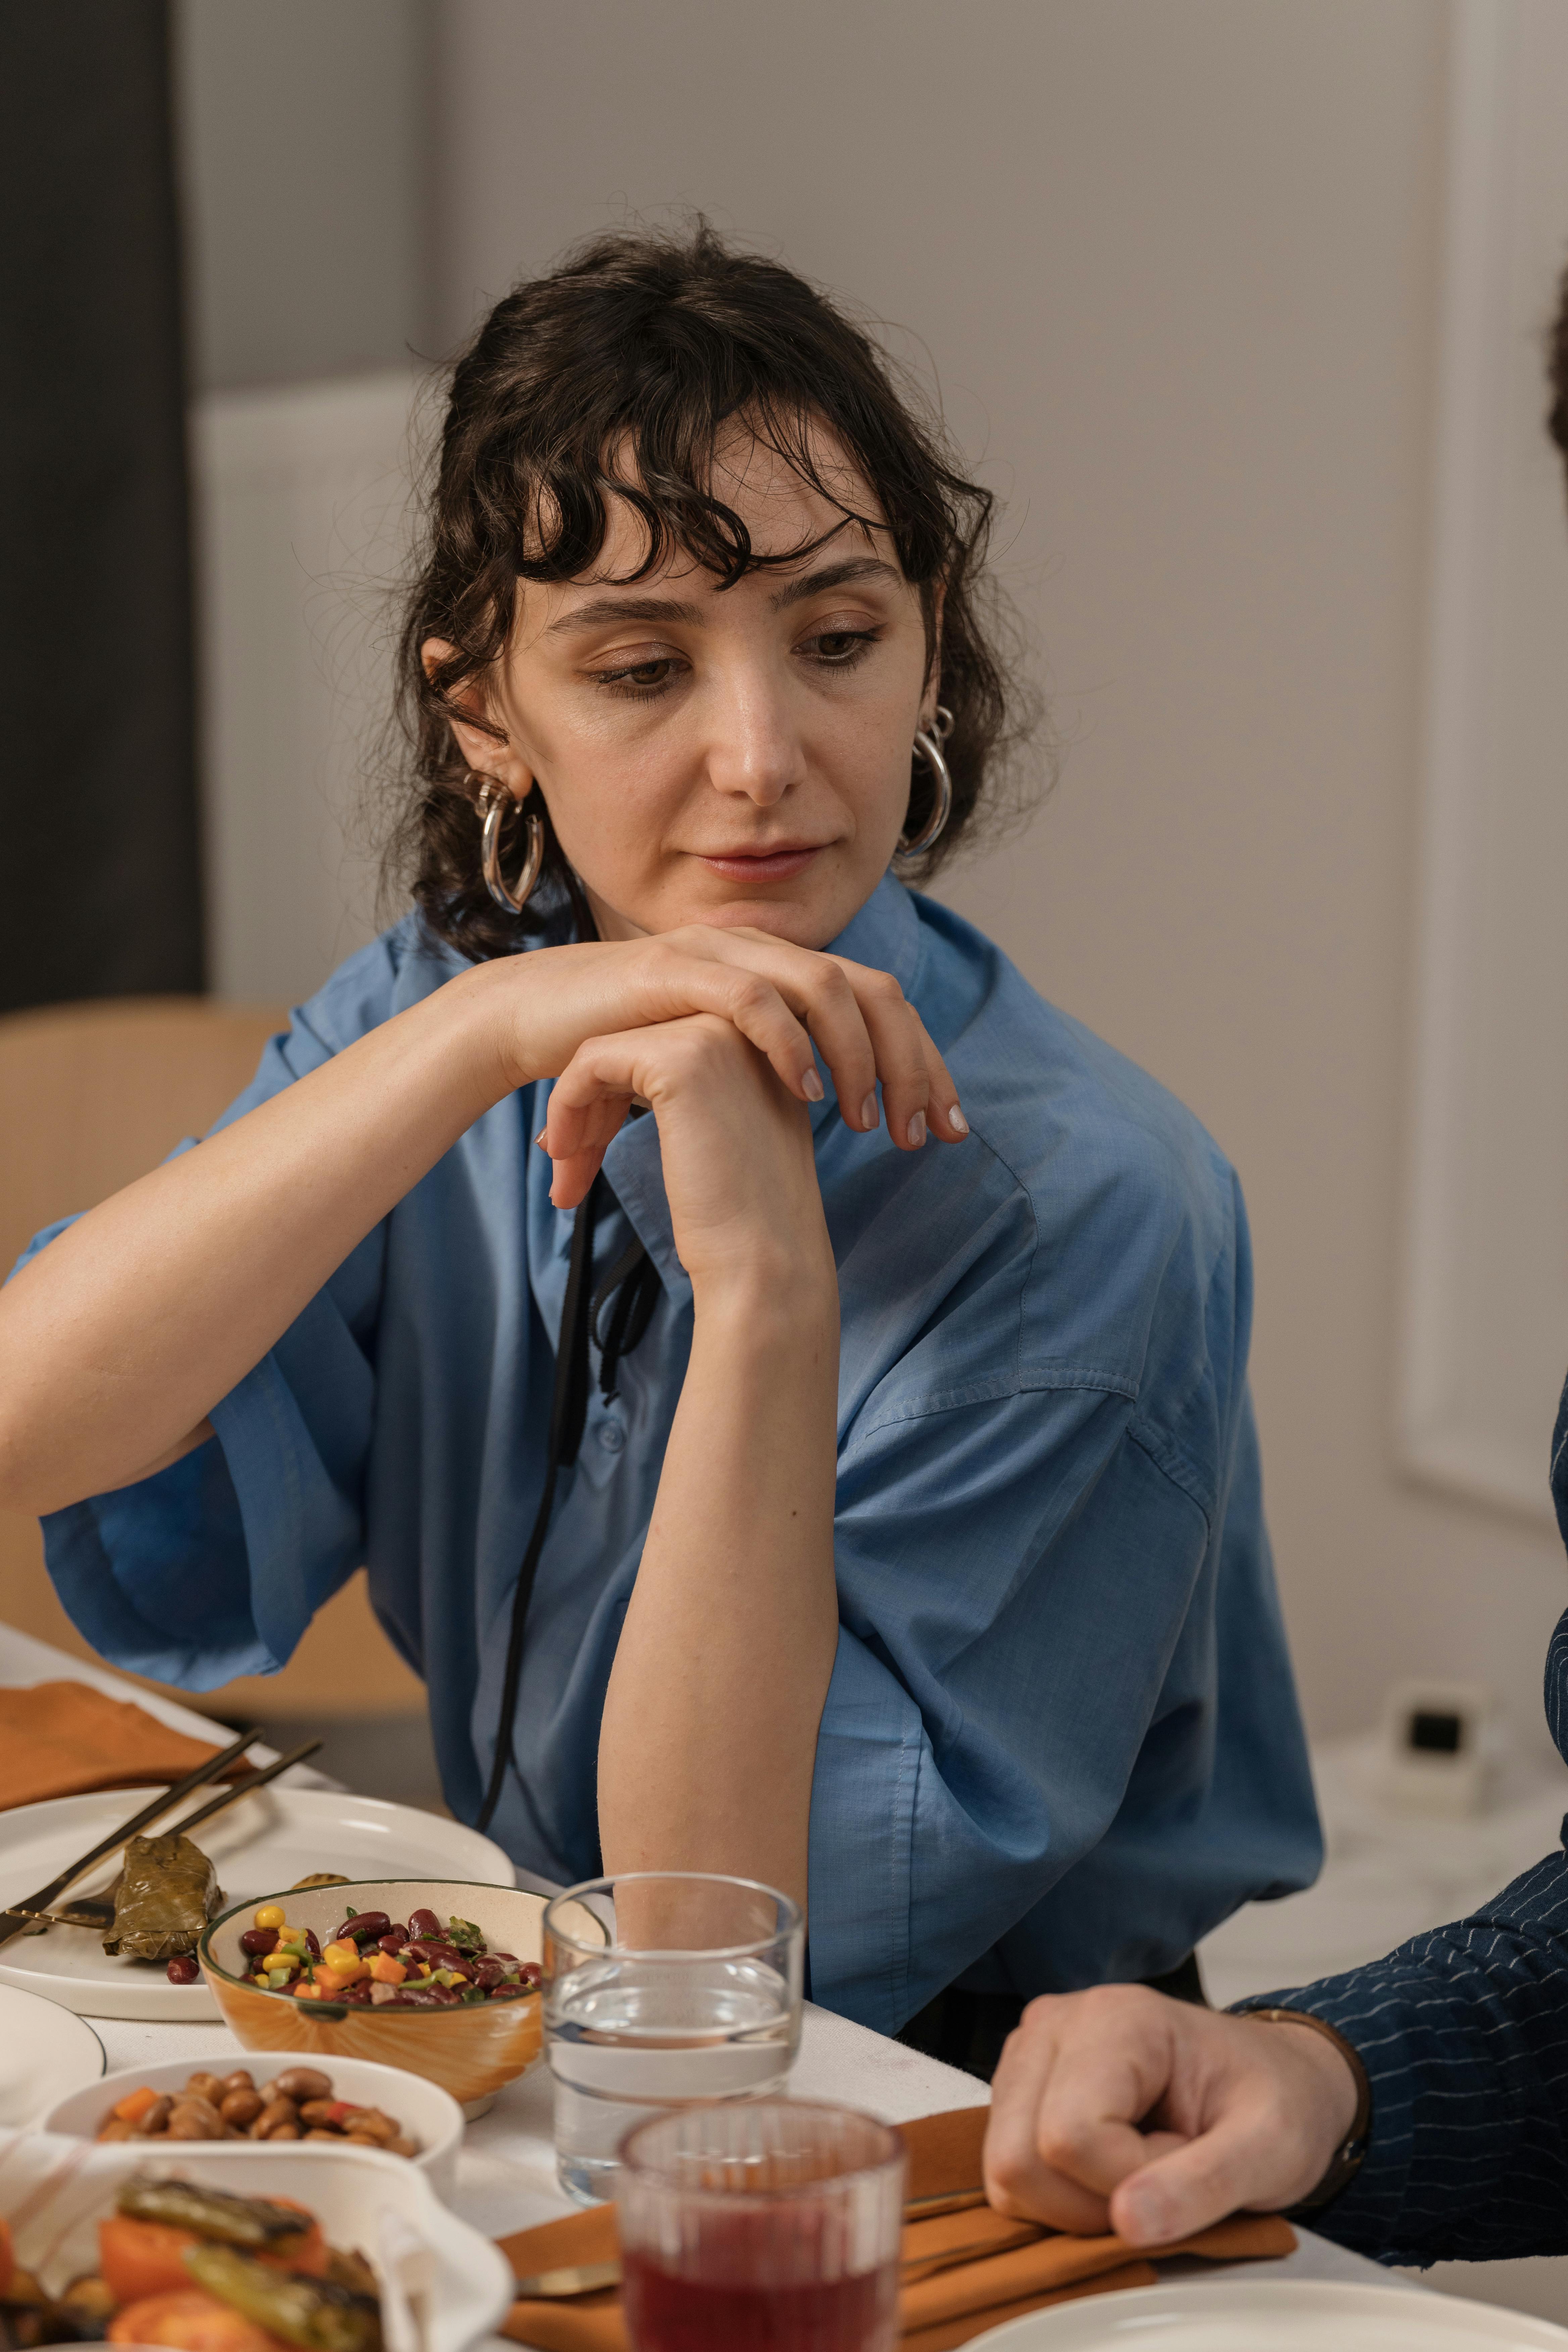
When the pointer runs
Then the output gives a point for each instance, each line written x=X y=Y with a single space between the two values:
x=773 y=865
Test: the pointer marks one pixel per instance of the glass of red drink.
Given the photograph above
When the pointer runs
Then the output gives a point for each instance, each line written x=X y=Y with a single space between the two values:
x=763 y=2223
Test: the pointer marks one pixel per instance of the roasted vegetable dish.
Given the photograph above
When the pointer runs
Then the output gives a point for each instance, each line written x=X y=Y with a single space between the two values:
x=298 y=2104
x=201 y=2271
x=163 y=1898
x=374 y=1962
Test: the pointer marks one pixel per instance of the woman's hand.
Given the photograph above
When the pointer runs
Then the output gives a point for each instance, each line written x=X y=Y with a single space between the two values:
x=739 y=1173
x=782 y=998
x=1119 y=2109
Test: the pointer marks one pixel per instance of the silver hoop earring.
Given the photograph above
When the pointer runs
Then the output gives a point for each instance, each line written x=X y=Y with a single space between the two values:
x=496 y=804
x=928 y=745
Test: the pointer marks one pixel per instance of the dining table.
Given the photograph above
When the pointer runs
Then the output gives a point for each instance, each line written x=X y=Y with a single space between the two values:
x=506 y=2170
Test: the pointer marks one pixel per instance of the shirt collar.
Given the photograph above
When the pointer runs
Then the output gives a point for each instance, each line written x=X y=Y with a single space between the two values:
x=886 y=934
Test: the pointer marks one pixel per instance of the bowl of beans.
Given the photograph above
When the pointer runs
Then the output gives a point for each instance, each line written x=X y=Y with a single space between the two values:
x=352 y=2103
x=438 y=1977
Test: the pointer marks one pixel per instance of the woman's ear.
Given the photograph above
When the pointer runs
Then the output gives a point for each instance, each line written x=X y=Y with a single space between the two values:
x=934 y=668
x=485 y=752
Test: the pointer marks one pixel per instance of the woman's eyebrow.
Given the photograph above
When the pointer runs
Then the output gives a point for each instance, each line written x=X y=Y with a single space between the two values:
x=613 y=609
x=836 y=575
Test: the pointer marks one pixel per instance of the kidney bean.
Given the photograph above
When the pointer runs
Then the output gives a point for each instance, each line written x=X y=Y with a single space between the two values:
x=257 y=1941
x=184 y=1969
x=391 y=1944
x=487 y=1972
x=357 y=1996
x=301 y=2083
x=400 y=1931
x=275 y=2113
x=364 y=1925
x=429 y=1997
x=149 y=2125
x=285 y=2131
x=507 y=1959
x=423 y=1923
x=241 y=2106
x=310 y=1943
x=439 y=1955
x=242 y=2079
x=204 y=2085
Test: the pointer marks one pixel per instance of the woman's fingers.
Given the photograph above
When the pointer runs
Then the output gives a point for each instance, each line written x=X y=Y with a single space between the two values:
x=860 y=1022
x=676 y=983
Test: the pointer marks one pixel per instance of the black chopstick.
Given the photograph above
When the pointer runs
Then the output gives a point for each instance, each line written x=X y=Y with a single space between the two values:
x=237 y=1788
x=204 y=1772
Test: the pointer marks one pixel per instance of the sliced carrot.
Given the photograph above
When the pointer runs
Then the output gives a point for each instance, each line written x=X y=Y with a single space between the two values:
x=134 y=2104
x=190 y=2321
x=141 y=2258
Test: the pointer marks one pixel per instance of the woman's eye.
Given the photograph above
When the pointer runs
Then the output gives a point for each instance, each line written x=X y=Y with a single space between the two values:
x=639 y=678
x=841 y=649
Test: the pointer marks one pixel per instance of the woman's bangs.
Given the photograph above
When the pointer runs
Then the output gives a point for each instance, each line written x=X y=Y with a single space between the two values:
x=662 y=467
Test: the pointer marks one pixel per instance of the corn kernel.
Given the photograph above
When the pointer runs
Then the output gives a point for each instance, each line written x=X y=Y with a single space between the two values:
x=271 y=1914
x=342 y=1955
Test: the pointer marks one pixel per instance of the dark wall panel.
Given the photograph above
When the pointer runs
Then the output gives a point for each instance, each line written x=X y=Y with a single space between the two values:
x=100 y=857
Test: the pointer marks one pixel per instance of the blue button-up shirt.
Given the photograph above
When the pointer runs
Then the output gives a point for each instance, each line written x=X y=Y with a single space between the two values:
x=1060 y=1740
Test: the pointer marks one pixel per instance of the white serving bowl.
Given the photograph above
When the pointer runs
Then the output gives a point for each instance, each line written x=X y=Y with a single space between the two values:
x=426 y=2113
x=56 y=2192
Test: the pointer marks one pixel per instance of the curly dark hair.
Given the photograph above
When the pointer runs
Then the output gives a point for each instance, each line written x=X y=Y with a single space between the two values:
x=614 y=376
x=1557 y=370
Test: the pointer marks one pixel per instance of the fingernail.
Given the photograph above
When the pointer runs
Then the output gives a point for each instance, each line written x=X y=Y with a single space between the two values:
x=811 y=1085
x=957 y=1121
x=917 y=1131
x=868 y=1111
x=1142 y=2219
x=539 y=1139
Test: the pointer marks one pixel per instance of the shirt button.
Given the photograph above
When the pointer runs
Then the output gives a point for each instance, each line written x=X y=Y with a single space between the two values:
x=612 y=1436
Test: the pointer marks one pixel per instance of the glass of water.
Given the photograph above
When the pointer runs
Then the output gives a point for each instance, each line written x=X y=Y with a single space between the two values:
x=663 y=1989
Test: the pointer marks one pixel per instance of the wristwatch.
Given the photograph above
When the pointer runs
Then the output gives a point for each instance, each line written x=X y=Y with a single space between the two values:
x=1346 y=2160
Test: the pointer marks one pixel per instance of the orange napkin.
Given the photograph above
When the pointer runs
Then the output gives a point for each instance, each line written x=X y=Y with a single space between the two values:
x=1015 y=2266
x=59 y=1740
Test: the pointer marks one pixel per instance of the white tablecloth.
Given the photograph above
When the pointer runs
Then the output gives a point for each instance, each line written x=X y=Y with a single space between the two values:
x=506 y=2173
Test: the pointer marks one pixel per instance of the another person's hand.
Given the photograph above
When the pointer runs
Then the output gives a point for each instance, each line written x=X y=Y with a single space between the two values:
x=1118 y=2109
x=782 y=998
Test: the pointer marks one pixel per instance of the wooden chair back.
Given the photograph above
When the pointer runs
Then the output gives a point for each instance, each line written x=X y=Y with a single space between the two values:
x=92 y=1096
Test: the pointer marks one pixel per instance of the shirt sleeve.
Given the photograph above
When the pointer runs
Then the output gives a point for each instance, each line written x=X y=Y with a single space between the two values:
x=215 y=1566
x=1463 y=2035
x=1033 y=1614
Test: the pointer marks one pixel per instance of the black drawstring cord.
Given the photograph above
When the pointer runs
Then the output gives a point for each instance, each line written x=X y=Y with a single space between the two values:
x=633 y=1283
x=636 y=1277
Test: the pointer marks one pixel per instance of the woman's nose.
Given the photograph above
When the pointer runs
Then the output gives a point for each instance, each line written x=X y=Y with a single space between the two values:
x=754 y=747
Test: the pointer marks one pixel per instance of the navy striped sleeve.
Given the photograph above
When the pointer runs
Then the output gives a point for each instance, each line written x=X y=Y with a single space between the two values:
x=1463 y=2035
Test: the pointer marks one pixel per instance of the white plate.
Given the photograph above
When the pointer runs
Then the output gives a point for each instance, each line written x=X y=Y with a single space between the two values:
x=56 y=2190
x=260 y=1846
x=45 y=2053
x=426 y=2113
x=1272 y=2316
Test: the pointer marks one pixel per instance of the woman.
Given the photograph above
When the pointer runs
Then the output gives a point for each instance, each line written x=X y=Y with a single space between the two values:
x=882 y=1476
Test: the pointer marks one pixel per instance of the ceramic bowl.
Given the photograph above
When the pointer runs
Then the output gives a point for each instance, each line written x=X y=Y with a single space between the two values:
x=426 y=2113
x=470 y=2053
x=55 y=2191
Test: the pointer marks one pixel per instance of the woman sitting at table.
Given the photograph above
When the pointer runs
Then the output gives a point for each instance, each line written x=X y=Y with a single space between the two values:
x=883 y=1475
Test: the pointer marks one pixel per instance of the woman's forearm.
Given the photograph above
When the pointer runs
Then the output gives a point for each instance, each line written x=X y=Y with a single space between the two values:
x=710 y=1728
x=118 y=1340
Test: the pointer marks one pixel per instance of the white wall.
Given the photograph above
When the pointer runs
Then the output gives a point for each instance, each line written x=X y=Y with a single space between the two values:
x=1177 y=268
x=305 y=167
